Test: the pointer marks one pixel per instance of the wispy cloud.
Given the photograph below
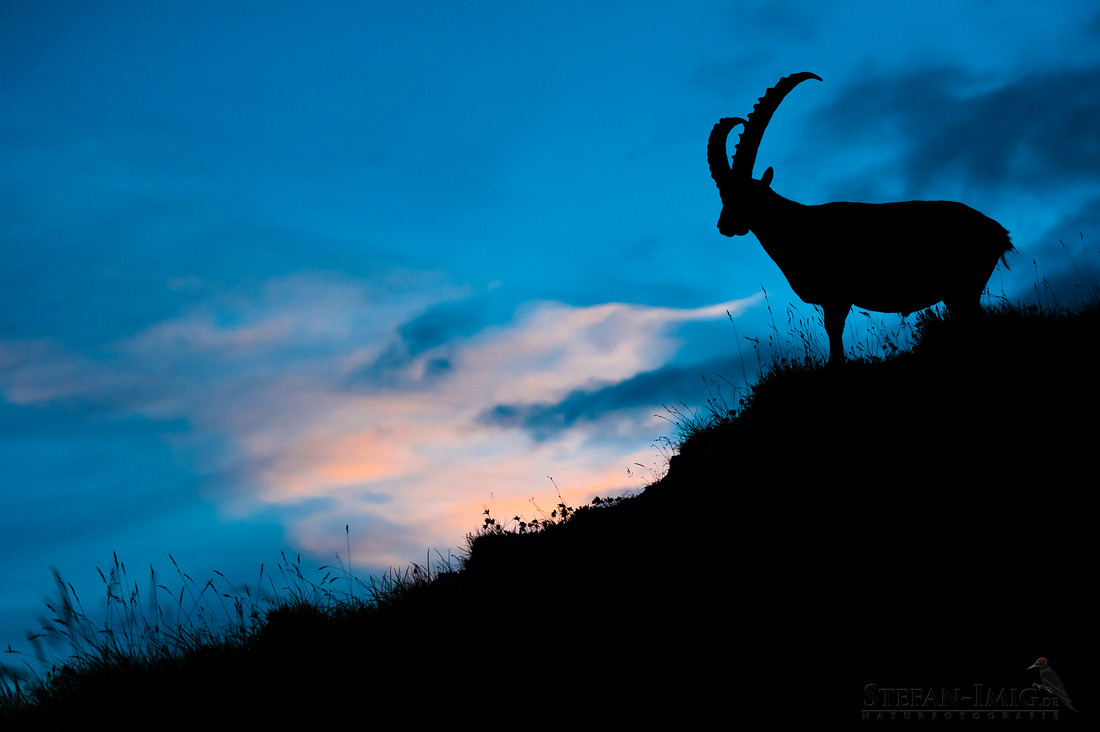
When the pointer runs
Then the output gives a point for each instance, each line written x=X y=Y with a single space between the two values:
x=547 y=420
x=301 y=406
x=951 y=127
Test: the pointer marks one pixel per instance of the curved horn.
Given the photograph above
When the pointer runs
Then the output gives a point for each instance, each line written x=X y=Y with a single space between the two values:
x=716 y=149
x=744 y=155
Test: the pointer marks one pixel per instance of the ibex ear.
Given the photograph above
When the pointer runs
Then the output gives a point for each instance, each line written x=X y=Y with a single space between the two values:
x=766 y=179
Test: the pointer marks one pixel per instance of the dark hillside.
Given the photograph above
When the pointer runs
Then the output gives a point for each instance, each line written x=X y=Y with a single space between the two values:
x=922 y=523
x=925 y=522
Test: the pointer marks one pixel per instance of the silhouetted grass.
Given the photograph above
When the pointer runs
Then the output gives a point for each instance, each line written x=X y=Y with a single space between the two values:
x=1010 y=362
x=873 y=515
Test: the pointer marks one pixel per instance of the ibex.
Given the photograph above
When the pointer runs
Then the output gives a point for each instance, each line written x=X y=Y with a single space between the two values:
x=887 y=257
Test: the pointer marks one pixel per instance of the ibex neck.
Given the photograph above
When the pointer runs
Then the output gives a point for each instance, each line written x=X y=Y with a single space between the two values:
x=778 y=222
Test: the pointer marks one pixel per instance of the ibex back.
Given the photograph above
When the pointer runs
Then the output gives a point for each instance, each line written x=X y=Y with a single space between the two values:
x=887 y=257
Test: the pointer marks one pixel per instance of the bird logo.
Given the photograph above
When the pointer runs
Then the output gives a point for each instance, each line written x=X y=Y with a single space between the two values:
x=1051 y=682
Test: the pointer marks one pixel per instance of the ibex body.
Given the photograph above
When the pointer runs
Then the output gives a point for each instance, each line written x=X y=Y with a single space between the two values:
x=887 y=257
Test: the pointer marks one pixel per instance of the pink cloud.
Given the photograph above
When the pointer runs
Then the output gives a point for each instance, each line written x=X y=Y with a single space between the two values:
x=268 y=378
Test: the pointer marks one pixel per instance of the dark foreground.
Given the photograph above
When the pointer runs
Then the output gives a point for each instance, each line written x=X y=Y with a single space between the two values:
x=922 y=526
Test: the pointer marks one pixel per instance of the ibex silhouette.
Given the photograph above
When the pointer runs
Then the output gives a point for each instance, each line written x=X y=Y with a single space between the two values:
x=887 y=257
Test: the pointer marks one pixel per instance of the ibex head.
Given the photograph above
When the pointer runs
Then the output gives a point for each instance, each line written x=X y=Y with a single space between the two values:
x=739 y=190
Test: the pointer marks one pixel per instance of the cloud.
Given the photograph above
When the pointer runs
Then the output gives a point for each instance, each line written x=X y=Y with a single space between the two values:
x=547 y=420
x=277 y=399
x=952 y=128
x=437 y=326
x=429 y=450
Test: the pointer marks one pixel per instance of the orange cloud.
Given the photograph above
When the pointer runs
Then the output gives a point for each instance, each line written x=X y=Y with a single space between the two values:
x=411 y=465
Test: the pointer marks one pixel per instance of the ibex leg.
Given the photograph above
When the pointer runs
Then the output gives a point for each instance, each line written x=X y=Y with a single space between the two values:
x=835 y=316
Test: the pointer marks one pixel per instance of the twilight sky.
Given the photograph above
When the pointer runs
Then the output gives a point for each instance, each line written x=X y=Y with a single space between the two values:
x=271 y=270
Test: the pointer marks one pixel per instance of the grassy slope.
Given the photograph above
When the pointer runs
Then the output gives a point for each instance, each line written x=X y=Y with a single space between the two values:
x=879 y=522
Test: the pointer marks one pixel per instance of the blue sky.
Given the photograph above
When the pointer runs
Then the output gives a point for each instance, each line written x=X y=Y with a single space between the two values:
x=270 y=271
